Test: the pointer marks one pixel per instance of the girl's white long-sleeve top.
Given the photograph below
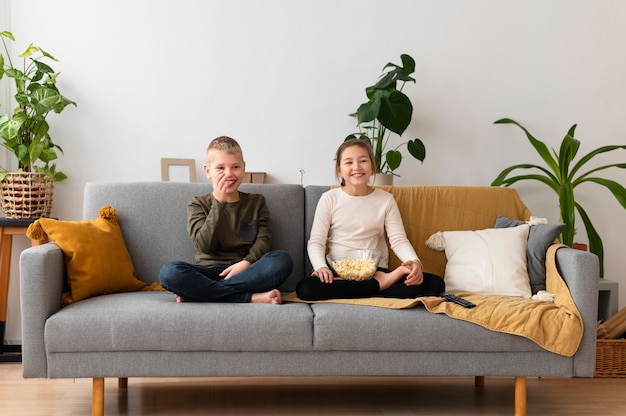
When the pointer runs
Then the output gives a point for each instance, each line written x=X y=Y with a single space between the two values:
x=346 y=222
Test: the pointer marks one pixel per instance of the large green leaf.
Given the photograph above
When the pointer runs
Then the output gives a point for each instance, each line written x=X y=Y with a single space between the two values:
x=567 y=152
x=395 y=112
x=595 y=242
x=549 y=179
x=7 y=34
x=393 y=159
x=417 y=149
x=42 y=67
x=566 y=204
x=586 y=158
x=539 y=146
x=618 y=191
x=408 y=63
x=543 y=179
x=29 y=51
x=44 y=100
x=368 y=111
x=11 y=129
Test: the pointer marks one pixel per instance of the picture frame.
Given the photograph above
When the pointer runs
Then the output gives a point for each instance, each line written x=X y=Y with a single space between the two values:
x=178 y=170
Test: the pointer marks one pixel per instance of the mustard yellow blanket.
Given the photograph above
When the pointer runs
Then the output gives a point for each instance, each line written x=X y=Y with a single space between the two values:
x=556 y=327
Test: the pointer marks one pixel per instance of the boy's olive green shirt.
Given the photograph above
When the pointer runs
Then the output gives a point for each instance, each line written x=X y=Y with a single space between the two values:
x=231 y=232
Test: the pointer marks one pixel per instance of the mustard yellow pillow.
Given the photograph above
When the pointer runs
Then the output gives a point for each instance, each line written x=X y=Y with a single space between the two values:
x=96 y=257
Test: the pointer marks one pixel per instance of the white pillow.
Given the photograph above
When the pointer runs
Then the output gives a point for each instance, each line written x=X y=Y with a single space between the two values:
x=491 y=261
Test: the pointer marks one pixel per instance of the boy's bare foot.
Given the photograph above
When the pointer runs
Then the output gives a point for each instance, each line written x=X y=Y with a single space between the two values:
x=385 y=280
x=273 y=297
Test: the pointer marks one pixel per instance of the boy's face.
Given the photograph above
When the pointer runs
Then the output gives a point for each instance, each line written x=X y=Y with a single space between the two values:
x=225 y=170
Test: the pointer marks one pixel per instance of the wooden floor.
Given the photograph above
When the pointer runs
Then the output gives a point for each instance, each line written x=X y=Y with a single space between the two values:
x=327 y=396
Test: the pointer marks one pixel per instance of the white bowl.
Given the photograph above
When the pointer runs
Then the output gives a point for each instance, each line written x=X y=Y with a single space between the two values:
x=355 y=264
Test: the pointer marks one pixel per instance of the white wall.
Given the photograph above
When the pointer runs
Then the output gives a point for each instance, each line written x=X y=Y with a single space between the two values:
x=162 y=78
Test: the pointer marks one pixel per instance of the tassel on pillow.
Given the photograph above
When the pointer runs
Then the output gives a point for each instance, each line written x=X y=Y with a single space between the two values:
x=35 y=231
x=108 y=213
x=436 y=242
x=536 y=221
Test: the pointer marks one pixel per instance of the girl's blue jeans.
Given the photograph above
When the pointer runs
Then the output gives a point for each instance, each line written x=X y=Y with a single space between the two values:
x=196 y=283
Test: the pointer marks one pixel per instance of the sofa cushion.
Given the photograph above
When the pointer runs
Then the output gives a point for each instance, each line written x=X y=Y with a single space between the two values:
x=154 y=321
x=367 y=328
x=96 y=257
x=540 y=237
x=489 y=261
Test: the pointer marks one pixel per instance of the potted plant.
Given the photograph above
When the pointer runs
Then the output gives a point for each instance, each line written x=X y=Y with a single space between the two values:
x=25 y=132
x=388 y=110
x=562 y=175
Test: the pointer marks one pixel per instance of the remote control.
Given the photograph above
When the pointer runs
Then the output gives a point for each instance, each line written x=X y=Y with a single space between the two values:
x=460 y=301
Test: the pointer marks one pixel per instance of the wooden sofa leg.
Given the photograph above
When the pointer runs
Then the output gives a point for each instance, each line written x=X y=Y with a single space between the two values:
x=479 y=381
x=520 y=396
x=97 y=399
x=122 y=382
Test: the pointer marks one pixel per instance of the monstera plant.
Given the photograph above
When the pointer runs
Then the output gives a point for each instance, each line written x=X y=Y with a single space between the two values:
x=388 y=110
x=563 y=175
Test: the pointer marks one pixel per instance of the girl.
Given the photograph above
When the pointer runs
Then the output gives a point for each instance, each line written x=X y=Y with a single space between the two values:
x=356 y=216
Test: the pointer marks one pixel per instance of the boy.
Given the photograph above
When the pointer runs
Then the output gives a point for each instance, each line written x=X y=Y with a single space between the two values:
x=232 y=234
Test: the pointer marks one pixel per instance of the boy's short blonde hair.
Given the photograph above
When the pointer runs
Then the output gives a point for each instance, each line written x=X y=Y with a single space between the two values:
x=223 y=144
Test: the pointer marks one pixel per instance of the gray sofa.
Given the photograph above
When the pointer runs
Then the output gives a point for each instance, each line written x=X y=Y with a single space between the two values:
x=147 y=334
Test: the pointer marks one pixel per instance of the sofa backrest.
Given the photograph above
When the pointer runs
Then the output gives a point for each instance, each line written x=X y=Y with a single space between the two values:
x=153 y=219
x=428 y=209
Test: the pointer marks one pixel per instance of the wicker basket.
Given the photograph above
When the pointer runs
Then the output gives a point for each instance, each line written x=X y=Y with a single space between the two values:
x=611 y=358
x=27 y=195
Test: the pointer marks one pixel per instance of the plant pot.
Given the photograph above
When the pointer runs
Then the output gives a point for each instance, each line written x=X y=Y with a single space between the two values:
x=579 y=246
x=27 y=195
x=383 y=179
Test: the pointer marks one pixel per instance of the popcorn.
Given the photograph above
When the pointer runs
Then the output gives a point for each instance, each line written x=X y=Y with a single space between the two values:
x=355 y=269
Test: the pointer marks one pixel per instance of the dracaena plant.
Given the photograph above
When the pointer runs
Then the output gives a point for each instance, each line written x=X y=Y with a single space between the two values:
x=388 y=110
x=25 y=131
x=562 y=174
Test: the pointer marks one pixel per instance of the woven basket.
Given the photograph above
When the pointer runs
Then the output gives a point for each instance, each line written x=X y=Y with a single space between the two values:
x=27 y=195
x=611 y=358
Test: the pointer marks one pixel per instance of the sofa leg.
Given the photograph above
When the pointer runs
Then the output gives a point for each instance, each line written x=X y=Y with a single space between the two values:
x=479 y=381
x=97 y=399
x=520 y=396
x=122 y=382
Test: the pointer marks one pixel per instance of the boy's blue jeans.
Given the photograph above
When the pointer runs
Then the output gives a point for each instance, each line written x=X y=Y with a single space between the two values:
x=196 y=283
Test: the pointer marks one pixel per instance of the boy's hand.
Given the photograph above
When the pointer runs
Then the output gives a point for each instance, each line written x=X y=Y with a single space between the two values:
x=235 y=268
x=223 y=189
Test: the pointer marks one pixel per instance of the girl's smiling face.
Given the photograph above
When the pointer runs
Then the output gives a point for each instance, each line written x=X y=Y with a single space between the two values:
x=355 y=166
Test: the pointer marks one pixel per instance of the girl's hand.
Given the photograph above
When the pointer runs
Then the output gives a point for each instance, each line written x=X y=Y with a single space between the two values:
x=235 y=268
x=324 y=274
x=416 y=276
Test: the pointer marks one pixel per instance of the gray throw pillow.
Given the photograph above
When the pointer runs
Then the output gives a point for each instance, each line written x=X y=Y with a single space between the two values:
x=540 y=237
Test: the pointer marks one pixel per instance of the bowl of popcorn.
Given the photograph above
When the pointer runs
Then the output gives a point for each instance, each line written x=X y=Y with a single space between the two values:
x=354 y=264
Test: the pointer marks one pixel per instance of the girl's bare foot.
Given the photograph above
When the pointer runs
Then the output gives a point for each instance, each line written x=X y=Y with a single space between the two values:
x=273 y=297
x=178 y=299
x=385 y=280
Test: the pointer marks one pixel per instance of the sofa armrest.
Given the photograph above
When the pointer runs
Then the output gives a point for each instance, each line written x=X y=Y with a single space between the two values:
x=42 y=277
x=580 y=270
